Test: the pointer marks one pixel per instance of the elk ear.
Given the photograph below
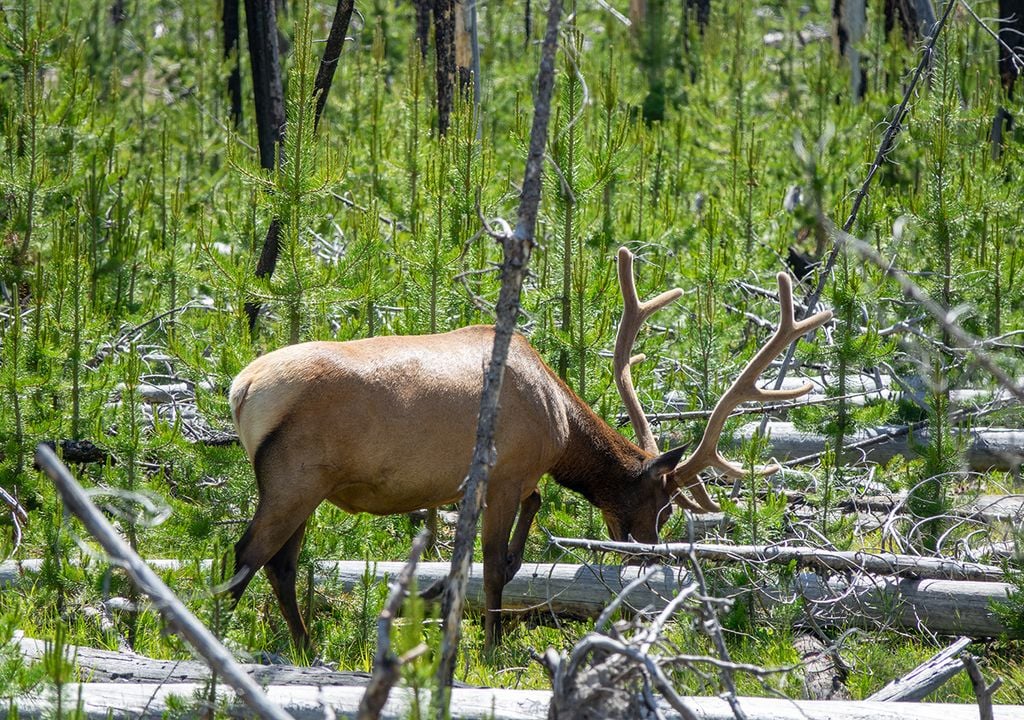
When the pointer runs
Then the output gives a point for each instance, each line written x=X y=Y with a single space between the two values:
x=665 y=463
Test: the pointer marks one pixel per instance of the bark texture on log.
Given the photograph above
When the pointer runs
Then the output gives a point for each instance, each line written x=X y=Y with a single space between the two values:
x=152 y=702
x=941 y=607
x=824 y=674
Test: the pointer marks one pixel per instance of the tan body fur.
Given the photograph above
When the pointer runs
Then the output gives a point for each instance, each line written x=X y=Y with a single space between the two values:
x=387 y=425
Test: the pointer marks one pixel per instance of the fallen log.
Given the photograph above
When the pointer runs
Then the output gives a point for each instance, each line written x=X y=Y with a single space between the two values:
x=944 y=607
x=824 y=676
x=108 y=666
x=877 y=563
x=987 y=448
x=940 y=607
x=984 y=508
x=103 y=701
x=926 y=677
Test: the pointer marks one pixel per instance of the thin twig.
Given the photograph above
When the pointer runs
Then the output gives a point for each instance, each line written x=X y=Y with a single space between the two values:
x=1018 y=63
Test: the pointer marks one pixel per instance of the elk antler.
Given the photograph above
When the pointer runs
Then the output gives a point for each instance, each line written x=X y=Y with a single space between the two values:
x=634 y=313
x=743 y=390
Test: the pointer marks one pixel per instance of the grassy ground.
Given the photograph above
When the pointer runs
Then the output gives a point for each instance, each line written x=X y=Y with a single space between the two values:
x=127 y=201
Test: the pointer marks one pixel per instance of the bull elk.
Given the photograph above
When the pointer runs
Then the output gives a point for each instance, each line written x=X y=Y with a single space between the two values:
x=387 y=425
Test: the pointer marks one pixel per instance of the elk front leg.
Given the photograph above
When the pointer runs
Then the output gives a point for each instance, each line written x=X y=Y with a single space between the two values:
x=527 y=510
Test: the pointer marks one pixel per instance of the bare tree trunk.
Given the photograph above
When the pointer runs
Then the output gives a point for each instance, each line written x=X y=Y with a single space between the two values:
x=423 y=8
x=915 y=17
x=849 y=21
x=232 y=33
x=1011 y=32
x=444 y=44
x=463 y=44
x=332 y=52
x=703 y=13
x=261 y=24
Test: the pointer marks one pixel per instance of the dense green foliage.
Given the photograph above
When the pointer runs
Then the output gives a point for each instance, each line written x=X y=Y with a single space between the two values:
x=131 y=217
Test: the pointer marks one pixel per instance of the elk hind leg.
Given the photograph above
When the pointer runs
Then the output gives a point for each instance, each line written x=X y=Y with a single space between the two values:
x=282 y=571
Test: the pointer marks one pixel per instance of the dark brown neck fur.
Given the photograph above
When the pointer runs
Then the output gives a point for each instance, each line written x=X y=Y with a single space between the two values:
x=598 y=463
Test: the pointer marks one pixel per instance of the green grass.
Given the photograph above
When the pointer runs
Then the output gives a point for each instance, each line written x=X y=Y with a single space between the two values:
x=124 y=195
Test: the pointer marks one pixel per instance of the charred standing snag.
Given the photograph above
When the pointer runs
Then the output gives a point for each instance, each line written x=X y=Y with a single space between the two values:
x=387 y=425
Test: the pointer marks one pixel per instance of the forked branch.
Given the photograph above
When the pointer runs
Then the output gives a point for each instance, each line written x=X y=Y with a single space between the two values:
x=745 y=389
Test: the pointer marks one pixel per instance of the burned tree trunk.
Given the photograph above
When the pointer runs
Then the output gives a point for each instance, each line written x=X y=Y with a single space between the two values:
x=423 y=8
x=1011 y=32
x=232 y=32
x=268 y=94
x=915 y=18
x=332 y=52
x=261 y=24
x=463 y=45
x=444 y=43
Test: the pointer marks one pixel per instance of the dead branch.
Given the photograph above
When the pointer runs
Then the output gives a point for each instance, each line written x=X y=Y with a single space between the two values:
x=967 y=342
x=982 y=690
x=517 y=248
x=888 y=140
x=170 y=607
x=386 y=664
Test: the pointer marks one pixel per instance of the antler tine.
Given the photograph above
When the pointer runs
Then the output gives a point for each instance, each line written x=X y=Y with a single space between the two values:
x=634 y=313
x=744 y=389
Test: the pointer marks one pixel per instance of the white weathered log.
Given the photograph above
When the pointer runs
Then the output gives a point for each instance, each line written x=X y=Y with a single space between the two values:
x=988 y=448
x=878 y=563
x=926 y=677
x=108 y=666
x=984 y=508
x=939 y=606
x=150 y=701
